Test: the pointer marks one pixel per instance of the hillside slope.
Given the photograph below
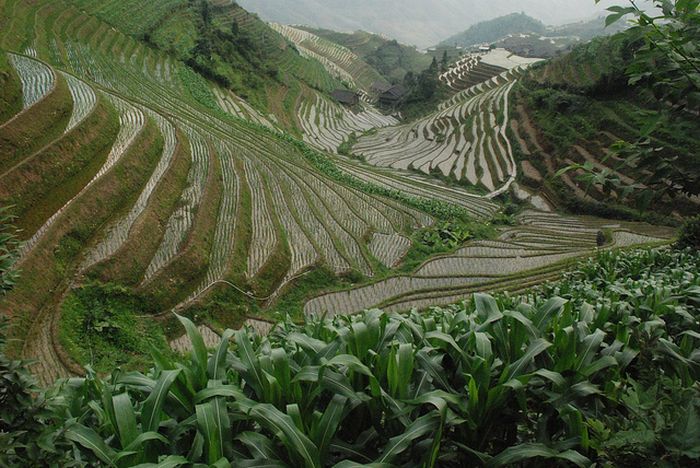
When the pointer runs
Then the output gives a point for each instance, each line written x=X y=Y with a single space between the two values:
x=144 y=188
x=530 y=37
x=495 y=29
x=576 y=108
x=389 y=57
x=225 y=43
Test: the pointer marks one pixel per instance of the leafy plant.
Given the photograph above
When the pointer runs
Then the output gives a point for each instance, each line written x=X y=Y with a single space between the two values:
x=445 y=235
x=669 y=64
x=599 y=367
x=8 y=251
x=690 y=234
x=668 y=61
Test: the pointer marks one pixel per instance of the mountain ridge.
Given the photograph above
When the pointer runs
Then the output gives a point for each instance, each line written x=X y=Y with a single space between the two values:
x=417 y=22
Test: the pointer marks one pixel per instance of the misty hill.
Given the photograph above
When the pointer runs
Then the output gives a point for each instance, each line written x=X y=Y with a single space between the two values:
x=528 y=36
x=495 y=29
x=418 y=22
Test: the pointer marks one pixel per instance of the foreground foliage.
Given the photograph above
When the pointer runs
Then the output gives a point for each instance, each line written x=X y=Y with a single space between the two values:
x=8 y=250
x=665 y=68
x=599 y=367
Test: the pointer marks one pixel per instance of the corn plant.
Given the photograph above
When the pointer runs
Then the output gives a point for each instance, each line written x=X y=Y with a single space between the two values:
x=495 y=381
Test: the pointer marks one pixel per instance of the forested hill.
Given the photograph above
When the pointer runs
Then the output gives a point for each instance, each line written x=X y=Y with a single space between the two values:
x=495 y=29
x=524 y=35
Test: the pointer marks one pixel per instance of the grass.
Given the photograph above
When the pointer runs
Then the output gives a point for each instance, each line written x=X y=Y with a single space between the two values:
x=52 y=263
x=10 y=90
x=38 y=126
x=102 y=326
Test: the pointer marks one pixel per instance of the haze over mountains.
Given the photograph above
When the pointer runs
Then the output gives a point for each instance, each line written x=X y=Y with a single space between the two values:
x=419 y=22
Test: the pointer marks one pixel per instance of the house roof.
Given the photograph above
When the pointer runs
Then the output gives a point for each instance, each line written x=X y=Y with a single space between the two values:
x=380 y=87
x=345 y=96
x=395 y=92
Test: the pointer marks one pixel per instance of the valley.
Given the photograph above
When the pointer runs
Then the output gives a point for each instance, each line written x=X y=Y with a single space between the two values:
x=188 y=195
x=341 y=206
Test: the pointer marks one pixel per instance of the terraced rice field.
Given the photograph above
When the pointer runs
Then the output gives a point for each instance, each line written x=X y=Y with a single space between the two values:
x=326 y=124
x=338 y=60
x=465 y=140
x=238 y=107
x=506 y=60
x=181 y=220
x=118 y=234
x=84 y=100
x=131 y=120
x=389 y=249
x=248 y=204
x=528 y=254
x=37 y=79
x=473 y=69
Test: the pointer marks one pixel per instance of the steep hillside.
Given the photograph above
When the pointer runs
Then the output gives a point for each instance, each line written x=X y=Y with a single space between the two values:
x=390 y=58
x=576 y=108
x=144 y=186
x=223 y=42
x=338 y=60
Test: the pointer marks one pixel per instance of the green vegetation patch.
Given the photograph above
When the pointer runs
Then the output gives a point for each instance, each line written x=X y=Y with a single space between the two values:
x=102 y=326
x=10 y=90
x=390 y=58
x=596 y=369
x=690 y=234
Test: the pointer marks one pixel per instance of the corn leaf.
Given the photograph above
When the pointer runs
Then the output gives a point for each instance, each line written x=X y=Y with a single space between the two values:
x=92 y=441
x=419 y=428
x=298 y=445
x=153 y=406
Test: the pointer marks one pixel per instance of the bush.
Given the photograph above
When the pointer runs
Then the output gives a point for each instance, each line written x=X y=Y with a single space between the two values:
x=445 y=235
x=690 y=234
x=8 y=251
x=100 y=325
x=28 y=434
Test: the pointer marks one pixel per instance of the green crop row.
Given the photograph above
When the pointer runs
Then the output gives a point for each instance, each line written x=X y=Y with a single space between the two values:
x=600 y=367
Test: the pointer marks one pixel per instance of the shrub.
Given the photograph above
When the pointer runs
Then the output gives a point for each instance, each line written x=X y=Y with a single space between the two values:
x=28 y=434
x=690 y=234
x=8 y=251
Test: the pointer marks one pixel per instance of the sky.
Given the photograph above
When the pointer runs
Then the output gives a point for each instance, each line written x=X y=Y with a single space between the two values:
x=418 y=22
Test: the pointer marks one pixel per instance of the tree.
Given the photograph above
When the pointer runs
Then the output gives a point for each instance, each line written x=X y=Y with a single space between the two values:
x=669 y=59
x=434 y=65
x=444 y=62
x=667 y=62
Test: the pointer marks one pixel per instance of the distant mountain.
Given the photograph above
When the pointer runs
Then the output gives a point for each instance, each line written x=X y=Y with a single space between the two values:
x=529 y=37
x=417 y=22
x=496 y=29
